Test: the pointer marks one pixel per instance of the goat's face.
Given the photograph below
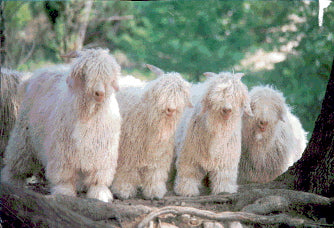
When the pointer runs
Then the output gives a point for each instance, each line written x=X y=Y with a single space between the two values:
x=225 y=97
x=94 y=75
x=100 y=86
x=268 y=108
x=169 y=96
x=265 y=116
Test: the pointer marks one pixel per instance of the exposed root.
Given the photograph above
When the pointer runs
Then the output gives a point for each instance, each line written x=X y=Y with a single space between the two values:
x=63 y=211
x=223 y=216
x=200 y=199
x=257 y=207
x=294 y=198
x=267 y=205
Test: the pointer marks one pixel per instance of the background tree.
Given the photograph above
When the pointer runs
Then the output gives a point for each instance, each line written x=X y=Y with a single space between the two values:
x=2 y=35
x=314 y=172
x=69 y=21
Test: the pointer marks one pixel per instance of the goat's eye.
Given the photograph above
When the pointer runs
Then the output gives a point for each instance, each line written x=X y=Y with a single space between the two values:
x=261 y=122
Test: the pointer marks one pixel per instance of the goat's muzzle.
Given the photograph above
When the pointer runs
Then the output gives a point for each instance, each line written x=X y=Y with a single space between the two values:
x=262 y=125
x=170 y=111
x=99 y=96
x=226 y=113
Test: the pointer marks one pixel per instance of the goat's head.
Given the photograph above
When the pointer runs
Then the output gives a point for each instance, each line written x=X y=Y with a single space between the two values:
x=268 y=106
x=94 y=74
x=226 y=95
x=169 y=93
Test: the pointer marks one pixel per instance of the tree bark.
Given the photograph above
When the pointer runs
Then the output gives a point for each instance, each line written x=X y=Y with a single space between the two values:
x=2 y=34
x=83 y=24
x=72 y=25
x=314 y=172
x=31 y=209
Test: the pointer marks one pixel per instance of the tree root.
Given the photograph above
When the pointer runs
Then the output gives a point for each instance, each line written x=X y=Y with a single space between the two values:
x=65 y=211
x=267 y=205
x=252 y=206
x=295 y=199
x=223 y=216
x=200 y=199
x=38 y=210
x=98 y=210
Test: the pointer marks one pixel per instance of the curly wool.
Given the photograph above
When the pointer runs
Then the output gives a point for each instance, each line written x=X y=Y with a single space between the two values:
x=10 y=100
x=62 y=126
x=212 y=136
x=272 y=140
x=150 y=116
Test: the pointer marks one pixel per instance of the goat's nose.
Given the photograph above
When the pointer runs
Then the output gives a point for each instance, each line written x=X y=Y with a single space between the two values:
x=227 y=110
x=99 y=96
x=170 y=111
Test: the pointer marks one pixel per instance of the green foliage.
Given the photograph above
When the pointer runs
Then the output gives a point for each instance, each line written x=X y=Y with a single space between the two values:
x=17 y=16
x=171 y=36
x=303 y=77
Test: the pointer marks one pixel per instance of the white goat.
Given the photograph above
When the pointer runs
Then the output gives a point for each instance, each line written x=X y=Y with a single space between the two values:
x=146 y=149
x=272 y=140
x=69 y=122
x=212 y=141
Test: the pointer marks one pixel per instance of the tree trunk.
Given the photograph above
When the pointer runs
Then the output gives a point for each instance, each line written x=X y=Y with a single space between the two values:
x=75 y=18
x=314 y=172
x=83 y=24
x=2 y=34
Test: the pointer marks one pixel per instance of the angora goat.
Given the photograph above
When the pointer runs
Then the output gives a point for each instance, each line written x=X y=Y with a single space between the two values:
x=212 y=141
x=272 y=140
x=69 y=122
x=150 y=116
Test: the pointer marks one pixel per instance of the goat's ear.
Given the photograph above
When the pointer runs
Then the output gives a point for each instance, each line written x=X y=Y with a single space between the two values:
x=205 y=104
x=190 y=105
x=247 y=107
x=282 y=115
x=115 y=85
x=73 y=83
x=239 y=75
x=72 y=54
x=209 y=74
x=145 y=97
x=70 y=82
x=155 y=70
x=204 y=109
x=75 y=79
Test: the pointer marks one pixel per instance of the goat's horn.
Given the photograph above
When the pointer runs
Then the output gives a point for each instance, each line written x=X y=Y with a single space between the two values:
x=155 y=69
x=239 y=75
x=209 y=74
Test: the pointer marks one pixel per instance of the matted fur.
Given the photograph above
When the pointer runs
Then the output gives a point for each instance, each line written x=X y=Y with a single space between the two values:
x=212 y=141
x=10 y=100
x=63 y=125
x=272 y=140
x=150 y=115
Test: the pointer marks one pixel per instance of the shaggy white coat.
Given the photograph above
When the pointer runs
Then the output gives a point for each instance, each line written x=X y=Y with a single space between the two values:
x=70 y=123
x=10 y=100
x=212 y=136
x=150 y=115
x=272 y=140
